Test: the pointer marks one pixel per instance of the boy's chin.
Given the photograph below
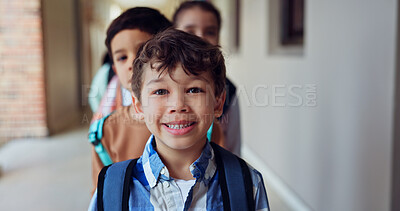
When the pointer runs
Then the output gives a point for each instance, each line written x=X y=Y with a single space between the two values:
x=183 y=143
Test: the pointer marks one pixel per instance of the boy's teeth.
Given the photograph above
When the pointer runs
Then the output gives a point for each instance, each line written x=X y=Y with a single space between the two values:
x=176 y=127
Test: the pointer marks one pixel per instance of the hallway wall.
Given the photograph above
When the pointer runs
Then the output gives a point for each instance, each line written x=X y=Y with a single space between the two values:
x=22 y=87
x=335 y=154
x=61 y=64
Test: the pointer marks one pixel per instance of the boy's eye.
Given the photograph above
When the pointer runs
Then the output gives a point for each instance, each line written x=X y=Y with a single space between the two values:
x=121 y=58
x=194 y=90
x=189 y=30
x=211 y=33
x=161 y=92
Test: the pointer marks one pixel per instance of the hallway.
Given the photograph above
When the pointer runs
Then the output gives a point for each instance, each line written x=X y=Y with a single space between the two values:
x=46 y=174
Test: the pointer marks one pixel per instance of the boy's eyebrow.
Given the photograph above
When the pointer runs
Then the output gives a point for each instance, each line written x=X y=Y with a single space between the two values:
x=118 y=51
x=157 y=80
x=198 y=77
x=212 y=28
x=191 y=26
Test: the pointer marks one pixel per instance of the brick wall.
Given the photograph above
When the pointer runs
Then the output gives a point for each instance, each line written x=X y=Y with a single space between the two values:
x=22 y=82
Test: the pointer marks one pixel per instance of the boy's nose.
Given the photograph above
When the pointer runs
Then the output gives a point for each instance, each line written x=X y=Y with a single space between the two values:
x=178 y=104
x=178 y=110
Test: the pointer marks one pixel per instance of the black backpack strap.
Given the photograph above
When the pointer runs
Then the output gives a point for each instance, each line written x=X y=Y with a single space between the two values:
x=234 y=179
x=248 y=184
x=113 y=186
x=127 y=183
x=221 y=178
x=100 y=188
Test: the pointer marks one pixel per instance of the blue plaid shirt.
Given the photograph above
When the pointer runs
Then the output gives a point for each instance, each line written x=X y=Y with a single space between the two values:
x=154 y=189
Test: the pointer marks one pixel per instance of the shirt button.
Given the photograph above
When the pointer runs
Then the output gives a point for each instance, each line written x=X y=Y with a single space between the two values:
x=166 y=184
x=162 y=170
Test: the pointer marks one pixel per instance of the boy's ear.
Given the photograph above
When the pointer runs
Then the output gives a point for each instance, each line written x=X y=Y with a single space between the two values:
x=219 y=106
x=137 y=105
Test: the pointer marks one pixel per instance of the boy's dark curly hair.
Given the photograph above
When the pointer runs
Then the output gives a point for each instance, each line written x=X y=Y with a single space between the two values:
x=174 y=47
x=143 y=18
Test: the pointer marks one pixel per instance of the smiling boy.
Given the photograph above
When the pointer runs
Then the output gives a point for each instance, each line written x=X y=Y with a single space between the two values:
x=179 y=90
x=178 y=109
x=123 y=135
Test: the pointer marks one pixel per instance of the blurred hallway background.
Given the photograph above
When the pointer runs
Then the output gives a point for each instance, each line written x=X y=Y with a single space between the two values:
x=319 y=106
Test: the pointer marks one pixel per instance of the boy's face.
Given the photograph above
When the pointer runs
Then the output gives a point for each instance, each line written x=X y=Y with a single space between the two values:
x=178 y=110
x=124 y=47
x=200 y=23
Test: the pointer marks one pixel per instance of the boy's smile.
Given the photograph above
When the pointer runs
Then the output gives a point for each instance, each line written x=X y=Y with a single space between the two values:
x=178 y=108
x=179 y=127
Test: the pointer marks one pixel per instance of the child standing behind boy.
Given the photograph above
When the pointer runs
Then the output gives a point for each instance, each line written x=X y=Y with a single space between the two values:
x=179 y=90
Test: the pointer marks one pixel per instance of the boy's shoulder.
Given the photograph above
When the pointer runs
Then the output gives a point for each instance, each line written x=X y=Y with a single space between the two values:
x=124 y=123
x=120 y=119
x=120 y=126
x=124 y=116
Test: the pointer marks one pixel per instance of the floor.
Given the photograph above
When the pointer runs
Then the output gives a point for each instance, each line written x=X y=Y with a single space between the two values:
x=54 y=174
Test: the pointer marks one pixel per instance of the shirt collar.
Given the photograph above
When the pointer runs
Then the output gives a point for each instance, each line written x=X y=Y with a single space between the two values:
x=203 y=169
x=126 y=97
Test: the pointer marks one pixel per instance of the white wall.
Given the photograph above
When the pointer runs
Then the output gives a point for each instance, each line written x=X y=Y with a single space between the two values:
x=337 y=154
